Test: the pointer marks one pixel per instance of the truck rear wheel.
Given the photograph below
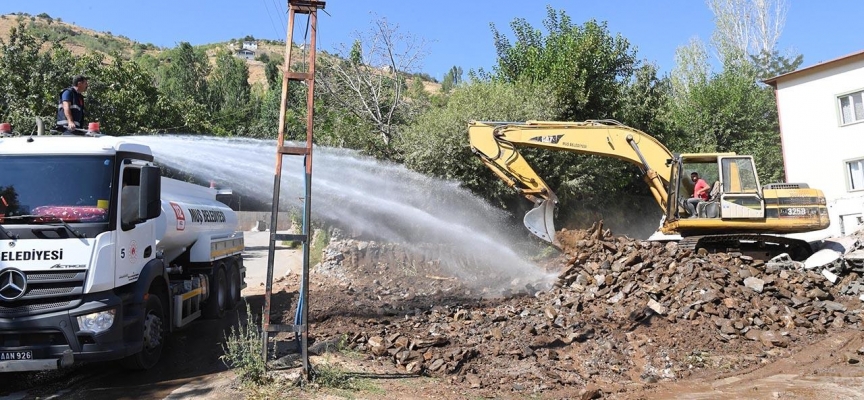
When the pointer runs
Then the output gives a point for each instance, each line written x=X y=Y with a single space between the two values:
x=154 y=336
x=218 y=300
x=234 y=286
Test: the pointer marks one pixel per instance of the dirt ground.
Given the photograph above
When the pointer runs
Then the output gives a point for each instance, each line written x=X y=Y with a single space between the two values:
x=417 y=332
x=625 y=320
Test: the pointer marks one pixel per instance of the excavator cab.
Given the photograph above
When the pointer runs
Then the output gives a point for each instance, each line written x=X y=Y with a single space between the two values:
x=742 y=194
x=735 y=190
x=705 y=165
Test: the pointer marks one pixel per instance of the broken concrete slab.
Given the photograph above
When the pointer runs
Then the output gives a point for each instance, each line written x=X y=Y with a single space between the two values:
x=830 y=276
x=754 y=283
x=857 y=255
x=657 y=307
x=822 y=258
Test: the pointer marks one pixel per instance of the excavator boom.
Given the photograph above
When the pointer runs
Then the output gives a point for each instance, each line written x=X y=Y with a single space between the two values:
x=496 y=144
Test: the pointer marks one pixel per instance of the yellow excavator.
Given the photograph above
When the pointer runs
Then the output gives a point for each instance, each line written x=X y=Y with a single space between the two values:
x=739 y=214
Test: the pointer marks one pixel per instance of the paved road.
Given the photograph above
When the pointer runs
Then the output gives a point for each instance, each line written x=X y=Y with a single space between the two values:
x=286 y=260
x=190 y=365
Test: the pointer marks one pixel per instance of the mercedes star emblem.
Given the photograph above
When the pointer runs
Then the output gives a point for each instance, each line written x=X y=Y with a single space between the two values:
x=13 y=284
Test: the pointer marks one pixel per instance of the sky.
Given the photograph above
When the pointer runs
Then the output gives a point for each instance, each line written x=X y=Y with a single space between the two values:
x=456 y=33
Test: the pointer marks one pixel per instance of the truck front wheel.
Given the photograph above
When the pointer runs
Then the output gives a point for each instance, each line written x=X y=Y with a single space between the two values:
x=154 y=336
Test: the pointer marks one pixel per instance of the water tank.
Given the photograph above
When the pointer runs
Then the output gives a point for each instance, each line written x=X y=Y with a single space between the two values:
x=190 y=213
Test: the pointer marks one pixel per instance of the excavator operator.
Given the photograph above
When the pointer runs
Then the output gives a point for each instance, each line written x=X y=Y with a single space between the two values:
x=700 y=193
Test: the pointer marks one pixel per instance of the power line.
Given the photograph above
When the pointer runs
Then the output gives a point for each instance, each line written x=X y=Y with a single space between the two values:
x=282 y=14
x=271 y=19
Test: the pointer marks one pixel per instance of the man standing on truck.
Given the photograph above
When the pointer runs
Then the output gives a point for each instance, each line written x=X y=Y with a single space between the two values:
x=70 y=107
x=700 y=193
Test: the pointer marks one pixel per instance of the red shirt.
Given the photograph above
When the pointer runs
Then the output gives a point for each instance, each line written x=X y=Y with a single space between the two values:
x=700 y=184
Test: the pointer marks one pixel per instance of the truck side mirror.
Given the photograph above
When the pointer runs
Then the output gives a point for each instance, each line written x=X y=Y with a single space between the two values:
x=150 y=200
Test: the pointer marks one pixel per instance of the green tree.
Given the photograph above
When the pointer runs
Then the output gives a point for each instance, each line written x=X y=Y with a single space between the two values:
x=772 y=64
x=272 y=73
x=124 y=99
x=229 y=94
x=452 y=78
x=265 y=111
x=584 y=66
x=182 y=79
x=33 y=72
x=263 y=57
x=645 y=103
x=46 y=17
x=437 y=144
x=589 y=71
x=730 y=111
x=184 y=75
x=356 y=55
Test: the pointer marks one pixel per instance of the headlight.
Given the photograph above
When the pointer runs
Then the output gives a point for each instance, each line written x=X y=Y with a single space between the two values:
x=97 y=322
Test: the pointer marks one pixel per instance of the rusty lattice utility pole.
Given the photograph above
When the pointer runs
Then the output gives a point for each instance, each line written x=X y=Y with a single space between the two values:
x=300 y=326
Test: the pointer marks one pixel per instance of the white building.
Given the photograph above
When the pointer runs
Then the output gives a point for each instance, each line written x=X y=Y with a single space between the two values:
x=250 y=45
x=246 y=54
x=821 y=113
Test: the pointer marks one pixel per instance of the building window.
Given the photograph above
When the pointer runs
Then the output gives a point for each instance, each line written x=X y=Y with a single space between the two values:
x=855 y=171
x=851 y=107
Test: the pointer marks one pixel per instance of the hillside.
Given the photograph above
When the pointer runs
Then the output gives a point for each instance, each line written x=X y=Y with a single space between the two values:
x=80 y=40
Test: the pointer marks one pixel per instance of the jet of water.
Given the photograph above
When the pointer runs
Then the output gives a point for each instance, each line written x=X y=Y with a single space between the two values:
x=368 y=196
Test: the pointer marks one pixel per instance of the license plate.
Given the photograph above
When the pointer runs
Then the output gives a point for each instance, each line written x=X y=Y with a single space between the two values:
x=16 y=355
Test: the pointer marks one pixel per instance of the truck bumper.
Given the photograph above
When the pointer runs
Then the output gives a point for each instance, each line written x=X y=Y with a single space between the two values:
x=65 y=360
x=54 y=340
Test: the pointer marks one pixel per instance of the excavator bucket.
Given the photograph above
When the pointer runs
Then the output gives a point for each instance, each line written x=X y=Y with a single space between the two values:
x=539 y=221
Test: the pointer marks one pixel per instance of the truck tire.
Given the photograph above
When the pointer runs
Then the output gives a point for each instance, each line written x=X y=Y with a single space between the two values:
x=218 y=300
x=154 y=336
x=234 y=284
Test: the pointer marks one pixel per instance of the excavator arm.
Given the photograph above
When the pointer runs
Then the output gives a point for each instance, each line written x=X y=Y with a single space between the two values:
x=497 y=146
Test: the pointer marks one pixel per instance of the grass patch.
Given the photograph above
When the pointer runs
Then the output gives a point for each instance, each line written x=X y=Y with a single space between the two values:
x=291 y=244
x=543 y=253
x=343 y=347
x=104 y=42
x=270 y=390
x=320 y=239
x=329 y=376
x=242 y=348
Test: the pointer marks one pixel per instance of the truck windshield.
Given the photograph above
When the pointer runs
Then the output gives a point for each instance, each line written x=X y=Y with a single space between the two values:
x=65 y=188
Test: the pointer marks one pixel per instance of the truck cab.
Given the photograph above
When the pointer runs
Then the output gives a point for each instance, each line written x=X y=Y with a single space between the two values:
x=85 y=227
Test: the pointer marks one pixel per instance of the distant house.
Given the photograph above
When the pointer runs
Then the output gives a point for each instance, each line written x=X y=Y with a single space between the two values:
x=246 y=54
x=250 y=45
x=821 y=110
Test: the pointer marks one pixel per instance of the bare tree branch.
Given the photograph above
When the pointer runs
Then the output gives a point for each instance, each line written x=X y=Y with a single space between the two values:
x=747 y=27
x=691 y=67
x=373 y=88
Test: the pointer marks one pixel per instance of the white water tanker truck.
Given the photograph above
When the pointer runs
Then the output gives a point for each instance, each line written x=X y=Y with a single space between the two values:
x=101 y=257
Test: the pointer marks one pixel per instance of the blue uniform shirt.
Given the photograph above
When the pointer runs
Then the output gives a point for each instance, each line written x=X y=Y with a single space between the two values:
x=76 y=106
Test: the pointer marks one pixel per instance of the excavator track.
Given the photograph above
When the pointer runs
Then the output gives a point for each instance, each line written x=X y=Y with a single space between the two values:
x=755 y=245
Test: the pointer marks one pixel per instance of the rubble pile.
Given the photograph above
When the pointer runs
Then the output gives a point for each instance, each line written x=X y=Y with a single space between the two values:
x=740 y=295
x=622 y=310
